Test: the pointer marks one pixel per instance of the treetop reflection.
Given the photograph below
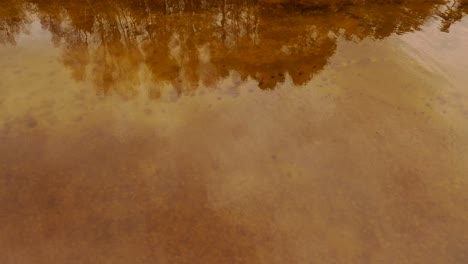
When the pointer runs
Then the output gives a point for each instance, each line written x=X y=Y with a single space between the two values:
x=189 y=43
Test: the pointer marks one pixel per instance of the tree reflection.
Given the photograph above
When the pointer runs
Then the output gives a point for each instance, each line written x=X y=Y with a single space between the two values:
x=13 y=20
x=121 y=44
x=452 y=13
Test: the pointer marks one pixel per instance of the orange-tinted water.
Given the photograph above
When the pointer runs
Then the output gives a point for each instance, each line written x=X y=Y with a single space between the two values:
x=151 y=131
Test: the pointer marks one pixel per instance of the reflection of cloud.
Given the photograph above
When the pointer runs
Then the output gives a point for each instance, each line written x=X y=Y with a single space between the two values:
x=188 y=43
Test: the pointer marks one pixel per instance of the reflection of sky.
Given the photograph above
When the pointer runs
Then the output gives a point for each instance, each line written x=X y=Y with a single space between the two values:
x=439 y=52
x=34 y=33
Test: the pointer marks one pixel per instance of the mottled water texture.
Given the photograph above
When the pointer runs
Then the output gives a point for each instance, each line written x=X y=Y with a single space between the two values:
x=161 y=131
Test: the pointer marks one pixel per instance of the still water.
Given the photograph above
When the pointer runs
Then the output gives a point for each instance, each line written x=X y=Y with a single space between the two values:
x=233 y=131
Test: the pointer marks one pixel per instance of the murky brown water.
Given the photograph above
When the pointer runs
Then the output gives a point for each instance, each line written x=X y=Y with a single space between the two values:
x=151 y=131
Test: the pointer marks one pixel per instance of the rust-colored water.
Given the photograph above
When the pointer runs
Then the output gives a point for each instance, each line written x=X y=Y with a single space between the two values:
x=151 y=131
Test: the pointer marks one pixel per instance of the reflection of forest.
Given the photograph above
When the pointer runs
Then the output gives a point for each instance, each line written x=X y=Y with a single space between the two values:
x=188 y=42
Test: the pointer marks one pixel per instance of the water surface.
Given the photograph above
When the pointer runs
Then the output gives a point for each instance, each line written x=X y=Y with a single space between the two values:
x=150 y=131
